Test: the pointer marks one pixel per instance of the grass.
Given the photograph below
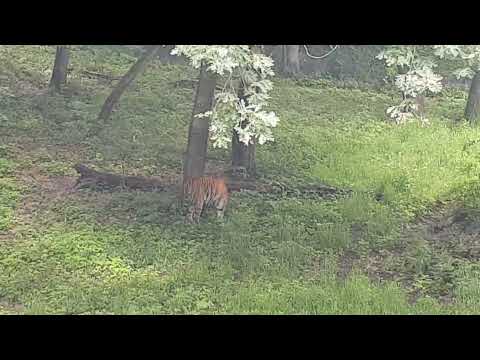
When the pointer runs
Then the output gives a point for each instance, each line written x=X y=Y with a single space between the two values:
x=9 y=192
x=128 y=253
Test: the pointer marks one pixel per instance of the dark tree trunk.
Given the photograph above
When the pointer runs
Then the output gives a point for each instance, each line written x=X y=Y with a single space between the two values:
x=125 y=81
x=196 y=155
x=472 y=110
x=243 y=156
x=291 y=60
x=420 y=101
x=252 y=159
x=59 y=74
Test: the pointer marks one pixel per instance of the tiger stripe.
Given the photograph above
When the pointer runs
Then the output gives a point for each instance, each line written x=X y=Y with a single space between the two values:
x=203 y=192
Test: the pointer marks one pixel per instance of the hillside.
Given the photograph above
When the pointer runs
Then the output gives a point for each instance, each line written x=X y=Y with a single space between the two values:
x=405 y=242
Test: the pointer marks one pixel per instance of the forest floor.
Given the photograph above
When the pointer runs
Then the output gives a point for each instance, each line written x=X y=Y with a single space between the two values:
x=81 y=252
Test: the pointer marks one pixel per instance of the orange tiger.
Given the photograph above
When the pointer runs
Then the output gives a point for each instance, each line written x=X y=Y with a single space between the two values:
x=203 y=192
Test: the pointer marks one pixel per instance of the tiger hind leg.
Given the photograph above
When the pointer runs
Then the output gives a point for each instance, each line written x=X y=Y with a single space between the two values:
x=195 y=212
x=221 y=206
x=189 y=219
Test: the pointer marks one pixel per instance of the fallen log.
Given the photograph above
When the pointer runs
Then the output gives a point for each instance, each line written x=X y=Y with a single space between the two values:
x=101 y=180
x=239 y=185
x=105 y=77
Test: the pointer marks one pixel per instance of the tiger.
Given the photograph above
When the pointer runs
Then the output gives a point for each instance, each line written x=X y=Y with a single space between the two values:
x=205 y=191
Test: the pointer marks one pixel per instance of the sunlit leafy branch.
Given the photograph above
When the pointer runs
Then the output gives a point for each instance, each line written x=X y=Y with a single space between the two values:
x=236 y=63
x=414 y=77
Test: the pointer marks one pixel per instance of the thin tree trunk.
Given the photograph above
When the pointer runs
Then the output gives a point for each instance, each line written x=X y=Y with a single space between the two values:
x=420 y=101
x=125 y=81
x=472 y=110
x=59 y=73
x=252 y=159
x=243 y=155
x=291 y=60
x=196 y=154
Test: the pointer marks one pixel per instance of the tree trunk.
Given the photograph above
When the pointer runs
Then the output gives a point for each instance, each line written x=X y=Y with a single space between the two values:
x=291 y=59
x=243 y=156
x=59 y=74
x=125 y=81
x=196 y=155
x=472 y=110
x=420 y=101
